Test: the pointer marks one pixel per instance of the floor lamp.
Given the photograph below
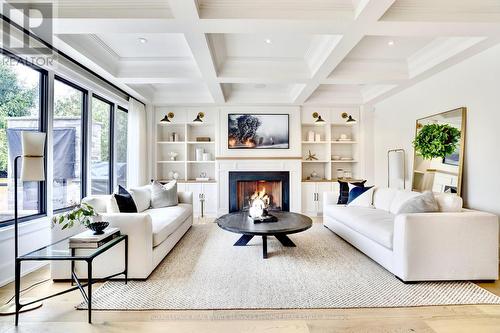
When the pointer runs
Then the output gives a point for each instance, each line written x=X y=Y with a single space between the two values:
x=33 y=169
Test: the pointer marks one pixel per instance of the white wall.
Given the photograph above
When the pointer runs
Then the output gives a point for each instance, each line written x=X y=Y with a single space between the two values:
x=475 y=84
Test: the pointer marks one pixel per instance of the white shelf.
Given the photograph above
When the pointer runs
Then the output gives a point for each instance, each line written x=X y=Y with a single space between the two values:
x=314 y=142
x=339 y=161
x=170 y=162
x=344 y=142
x=201 y=162
x=318 y=161
x=170 y=142
x=200 y=142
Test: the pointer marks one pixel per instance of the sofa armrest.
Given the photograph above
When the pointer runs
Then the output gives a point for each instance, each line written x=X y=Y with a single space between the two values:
x=330 y=198
x=185 y=197
x=139 y=229
x=444 y=246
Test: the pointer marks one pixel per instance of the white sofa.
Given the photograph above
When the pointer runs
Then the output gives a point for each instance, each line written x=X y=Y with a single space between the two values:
x=453 y=244
x=152 y=233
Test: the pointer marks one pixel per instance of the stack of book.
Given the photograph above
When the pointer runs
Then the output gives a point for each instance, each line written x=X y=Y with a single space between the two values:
x=87 y=239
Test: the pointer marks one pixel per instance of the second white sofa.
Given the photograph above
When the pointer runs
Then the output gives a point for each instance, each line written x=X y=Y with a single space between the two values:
x=453 y=244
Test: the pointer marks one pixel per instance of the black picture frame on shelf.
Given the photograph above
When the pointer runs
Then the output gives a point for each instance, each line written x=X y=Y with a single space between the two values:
x=262 y=131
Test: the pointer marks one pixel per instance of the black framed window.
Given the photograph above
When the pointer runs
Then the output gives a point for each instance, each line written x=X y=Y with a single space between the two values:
x=23 y=107
x=121 y=132
x=69 y=142
x=101 y=152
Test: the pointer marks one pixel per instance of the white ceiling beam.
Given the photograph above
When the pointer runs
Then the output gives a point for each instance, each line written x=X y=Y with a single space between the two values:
x=441 y=29
x=369 y=11
x=187 y=10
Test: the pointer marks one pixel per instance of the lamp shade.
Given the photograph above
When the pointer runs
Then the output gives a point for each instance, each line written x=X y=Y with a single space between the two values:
x=33 y=144
x=33 y=168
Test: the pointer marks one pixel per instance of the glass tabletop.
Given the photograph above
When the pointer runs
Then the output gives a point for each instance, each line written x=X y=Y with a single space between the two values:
x=61 y=251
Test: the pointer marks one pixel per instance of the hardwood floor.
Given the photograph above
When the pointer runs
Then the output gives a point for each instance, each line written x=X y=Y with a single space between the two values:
x=59 y=315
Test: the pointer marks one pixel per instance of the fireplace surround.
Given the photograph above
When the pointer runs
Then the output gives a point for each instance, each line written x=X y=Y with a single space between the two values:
x=243 y=184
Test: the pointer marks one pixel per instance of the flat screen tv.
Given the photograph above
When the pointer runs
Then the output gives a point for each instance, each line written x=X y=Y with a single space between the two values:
x=258 y=131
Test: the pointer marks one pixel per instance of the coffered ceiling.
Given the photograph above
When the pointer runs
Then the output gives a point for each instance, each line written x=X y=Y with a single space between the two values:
x=318 y=52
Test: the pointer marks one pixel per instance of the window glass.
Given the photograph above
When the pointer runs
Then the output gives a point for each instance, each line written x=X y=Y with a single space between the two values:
x=19 y=111
x=67 y=138
x=100 y=154
x=121 y=146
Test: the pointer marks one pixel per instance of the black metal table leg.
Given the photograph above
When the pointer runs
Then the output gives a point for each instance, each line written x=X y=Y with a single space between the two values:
x=17 y=289
x=126 y=260
x=243 y=240
x=264 y=247
x=284 y=240
x=72 y=266
x=89 y=280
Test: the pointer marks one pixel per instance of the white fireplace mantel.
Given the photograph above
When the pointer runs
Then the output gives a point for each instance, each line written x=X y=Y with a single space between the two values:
x=292 y=166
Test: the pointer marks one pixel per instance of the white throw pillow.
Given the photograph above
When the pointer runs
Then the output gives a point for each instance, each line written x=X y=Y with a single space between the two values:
x=141 y=196
x=448 y=202
x=424 y=203
x=164 y=195
x=364 y=200
x=112 y=205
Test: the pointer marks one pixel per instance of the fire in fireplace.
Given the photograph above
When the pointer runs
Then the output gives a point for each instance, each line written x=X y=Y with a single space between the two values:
x=268 y=191
x=272 y=187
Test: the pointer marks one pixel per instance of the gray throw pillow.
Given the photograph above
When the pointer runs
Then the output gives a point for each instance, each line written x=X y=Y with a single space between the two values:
x=424 y=203
x=164 y=195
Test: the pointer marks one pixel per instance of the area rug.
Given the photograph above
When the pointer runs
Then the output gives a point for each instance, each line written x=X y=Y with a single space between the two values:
x=204 y=271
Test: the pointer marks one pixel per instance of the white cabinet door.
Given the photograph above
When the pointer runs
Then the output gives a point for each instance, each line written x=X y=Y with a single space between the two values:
x=309 y=204
x=210 y=196
x=196 y=189
x=321 y=188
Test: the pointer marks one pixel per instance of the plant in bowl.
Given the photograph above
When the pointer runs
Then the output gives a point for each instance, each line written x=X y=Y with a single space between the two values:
x=436 y=140
x=83 y=214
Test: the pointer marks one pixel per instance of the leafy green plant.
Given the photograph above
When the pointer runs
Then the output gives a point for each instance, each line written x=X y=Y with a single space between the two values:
x=436 y=140
x=81 y=214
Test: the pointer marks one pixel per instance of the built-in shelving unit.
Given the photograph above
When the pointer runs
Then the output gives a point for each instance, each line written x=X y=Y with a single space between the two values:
x=336 y=148
x=187 y=165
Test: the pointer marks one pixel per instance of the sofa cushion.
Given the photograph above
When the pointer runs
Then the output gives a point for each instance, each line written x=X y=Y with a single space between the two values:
x=449 y=202
x=383 y=197
x=344 y=190
x=98 y=202
x=400 y=199
x=166 y=220
x=423 y=203
x=375 y=224
x=365 y=199
x=164 y=195
x=124 y=201
x=142 y=197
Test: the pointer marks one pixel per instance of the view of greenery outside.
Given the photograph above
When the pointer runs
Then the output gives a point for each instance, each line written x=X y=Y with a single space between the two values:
x=100 y=157
x=121 y=127
x=68 y=111
x=19 y=101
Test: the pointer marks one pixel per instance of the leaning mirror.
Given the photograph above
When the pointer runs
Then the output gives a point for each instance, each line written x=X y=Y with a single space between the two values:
x=439 y=152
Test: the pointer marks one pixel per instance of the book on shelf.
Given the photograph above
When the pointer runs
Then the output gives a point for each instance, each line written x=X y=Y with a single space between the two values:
x=203 y=139
x=87 y=239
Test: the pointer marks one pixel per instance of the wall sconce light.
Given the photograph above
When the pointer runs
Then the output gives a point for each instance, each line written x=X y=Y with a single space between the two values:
x=319 y=120
x=199 y=117
x=350 y=119
x=167 y=118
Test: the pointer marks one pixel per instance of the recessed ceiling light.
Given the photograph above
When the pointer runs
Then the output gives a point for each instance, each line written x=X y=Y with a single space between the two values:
x=390 y=43
x=268 y=41
x=143 y=40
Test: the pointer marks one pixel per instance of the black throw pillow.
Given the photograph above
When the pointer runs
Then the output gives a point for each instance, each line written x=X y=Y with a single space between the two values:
x=125 y=201
x=344 y=191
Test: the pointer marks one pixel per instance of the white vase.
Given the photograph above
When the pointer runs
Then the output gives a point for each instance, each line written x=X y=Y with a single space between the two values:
x=199 y=154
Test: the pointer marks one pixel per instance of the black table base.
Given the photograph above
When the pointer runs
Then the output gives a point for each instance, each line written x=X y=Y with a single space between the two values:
x=284 y=240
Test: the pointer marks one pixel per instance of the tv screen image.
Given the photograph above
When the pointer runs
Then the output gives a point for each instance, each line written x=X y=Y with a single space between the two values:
x=258 y=131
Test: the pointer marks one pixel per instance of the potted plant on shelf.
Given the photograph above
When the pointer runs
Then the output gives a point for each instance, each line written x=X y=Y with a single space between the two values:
x=436 y=140
x=83 y=214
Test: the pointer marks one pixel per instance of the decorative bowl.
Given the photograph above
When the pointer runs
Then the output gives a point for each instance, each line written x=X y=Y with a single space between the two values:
x=98 y=227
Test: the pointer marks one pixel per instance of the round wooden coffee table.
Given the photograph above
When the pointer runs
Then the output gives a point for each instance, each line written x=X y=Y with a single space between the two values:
x=288 y=223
